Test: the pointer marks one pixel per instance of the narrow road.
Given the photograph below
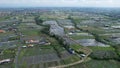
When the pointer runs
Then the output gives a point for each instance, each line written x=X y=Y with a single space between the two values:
x=63 y=66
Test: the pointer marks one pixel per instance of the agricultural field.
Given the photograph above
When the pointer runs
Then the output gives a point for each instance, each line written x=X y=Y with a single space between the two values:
x=98 y=64
x=40 y=54
x=96 y=48
x=59 y=38
x=46 y=54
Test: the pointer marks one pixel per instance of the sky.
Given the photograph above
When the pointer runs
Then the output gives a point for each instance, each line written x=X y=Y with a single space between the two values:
x=59 y=3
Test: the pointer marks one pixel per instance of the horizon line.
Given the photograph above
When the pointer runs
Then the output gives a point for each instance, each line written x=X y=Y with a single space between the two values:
x=56 y=7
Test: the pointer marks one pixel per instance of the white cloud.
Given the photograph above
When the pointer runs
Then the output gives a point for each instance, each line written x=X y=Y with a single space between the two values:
x=86 y=3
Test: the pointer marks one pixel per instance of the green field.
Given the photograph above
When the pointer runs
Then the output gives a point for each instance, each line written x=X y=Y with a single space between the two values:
x=95 y=48
x=76 y=37
x=69 y=60
x=98 y=64
x=37 y=50
x=75 y=47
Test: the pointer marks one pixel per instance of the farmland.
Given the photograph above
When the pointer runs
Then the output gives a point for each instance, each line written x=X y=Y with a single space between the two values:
x=59 y=38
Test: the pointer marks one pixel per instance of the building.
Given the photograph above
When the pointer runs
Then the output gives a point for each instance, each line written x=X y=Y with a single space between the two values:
x=5 y=61
x=2 y=31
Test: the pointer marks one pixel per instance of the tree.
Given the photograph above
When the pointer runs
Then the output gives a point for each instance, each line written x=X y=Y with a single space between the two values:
x=38 y=20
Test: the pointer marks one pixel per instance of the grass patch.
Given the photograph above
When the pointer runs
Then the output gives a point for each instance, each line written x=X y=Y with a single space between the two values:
x=31 y=32
x=75 y=47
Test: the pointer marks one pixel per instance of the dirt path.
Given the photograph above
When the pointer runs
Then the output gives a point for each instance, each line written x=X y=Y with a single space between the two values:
x=16 y=57
x=71 y=64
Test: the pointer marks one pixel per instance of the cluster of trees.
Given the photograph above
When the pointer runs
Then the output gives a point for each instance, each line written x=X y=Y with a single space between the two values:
x=117 y=49
x=8 y=53
x=14 y=38
x=38 y=20
x=45 y=30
